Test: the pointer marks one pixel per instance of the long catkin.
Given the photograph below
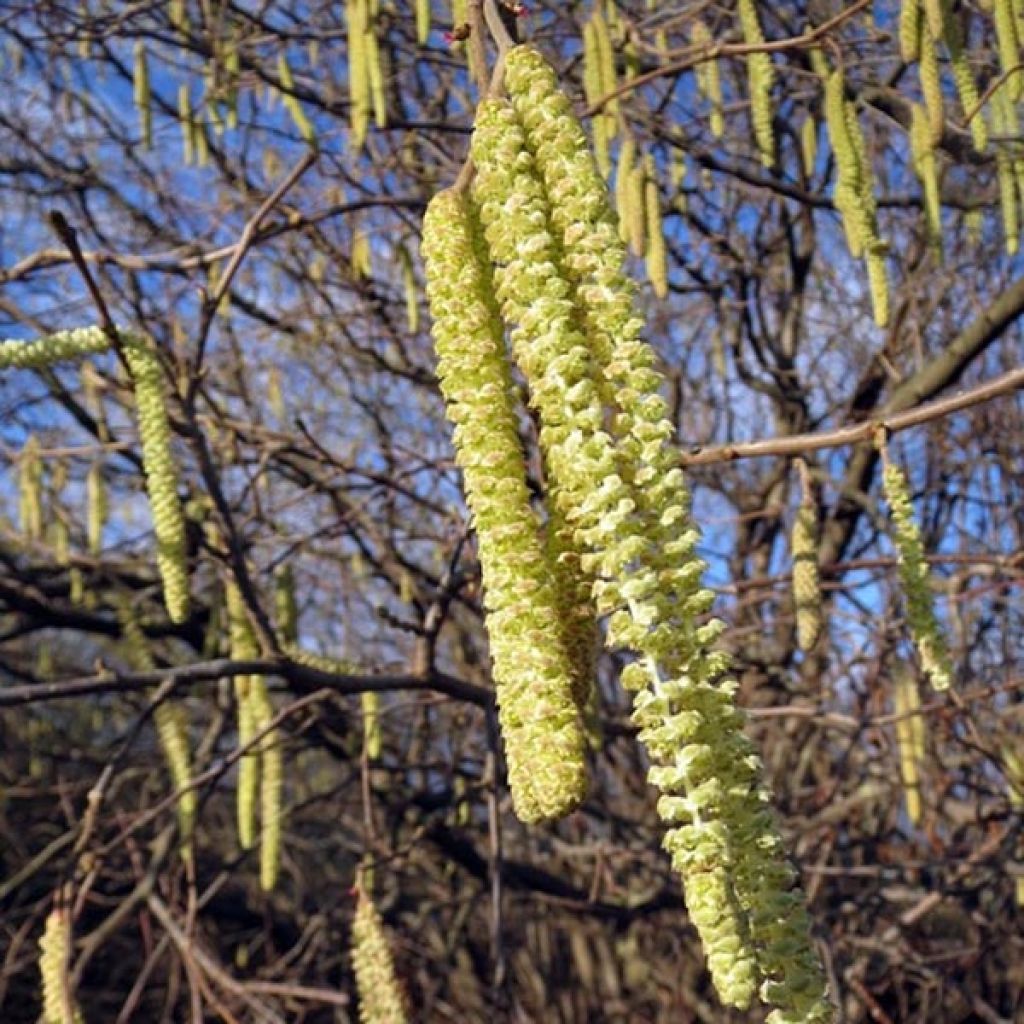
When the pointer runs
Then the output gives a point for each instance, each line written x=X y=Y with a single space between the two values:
x=539 y=720
x=549 y=224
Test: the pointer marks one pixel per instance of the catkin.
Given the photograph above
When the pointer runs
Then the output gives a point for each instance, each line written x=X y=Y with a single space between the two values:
x=375 y=67
x=920 y=610
x=1004 y=122
x=358 y=72
x=619 y=482
x=926 y=167
x=931 y=84
x=760 y=78
x=593 y=88
x=412 y=301
x=53 y=348
x=141 y=93
x=291 y=101
x=271 y=781
x=1008 y=44
x=187 y=124
x=606 y=64
x=30 y=490
x=933 y=17
x=97 y=508
x=806 y=585
x=170 y=720
x=286 y=609
x=380 y=998
x=242 y=646
x=966 y=87
x=539 y=721
x=910 y=739
x=422 y=21
x=910 y=30
x=372 y=739
x=656 y=255
x=627 y=160
x=635 y=214
x=161 y=474
x=59 y=1005
x=809 y=145
x=709 y=80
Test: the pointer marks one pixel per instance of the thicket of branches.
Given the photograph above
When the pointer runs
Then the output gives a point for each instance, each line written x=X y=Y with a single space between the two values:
x=274 y=261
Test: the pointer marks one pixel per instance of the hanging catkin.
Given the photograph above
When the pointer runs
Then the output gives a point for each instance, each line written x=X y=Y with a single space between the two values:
x=422 y=21
x=539 y=721
x=286 y=609
x=926 y=168
x=917 y=593
x=170 y=720
x=97 y=508
x=186 y=124
x=30 y=490
x=161 y=474
x=806 y=584
x=623 y=194
x=241 y=647
x=357 y=20
x=809 y=145
x=59 y=1005
x=380 y=999
x=1008 y=44
x=412 y=299
x=910 y=30
x=593 y=88
x=657 y=254
x=1004 y=121
x=966 y=87
x=910 y=738
x=709 y=80
x=760 y=78
x=931 y=83
x=141 y=93
x=549 y=225
x=291 y=101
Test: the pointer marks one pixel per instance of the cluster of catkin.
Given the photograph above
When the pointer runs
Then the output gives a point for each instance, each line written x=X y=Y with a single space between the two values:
x=365 y=71
x=536 y=249
x=261 y=769
x=154 y=434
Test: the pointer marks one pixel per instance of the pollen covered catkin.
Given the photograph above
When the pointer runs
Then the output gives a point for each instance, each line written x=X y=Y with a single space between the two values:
x=242 y=646
x=926 y=167
x=380 y=998
x=141 y=93
x=920 y=606
x=97 y=508
x=540 y=723
x=161 y=474
x=761 y=78
x=910 y=739
x=30 y=490
x=910 y=30
x=806 y=585
x=559 y=263
x=59 y=1006
x=963 y=77
x=709 y=80
x=1008 y=44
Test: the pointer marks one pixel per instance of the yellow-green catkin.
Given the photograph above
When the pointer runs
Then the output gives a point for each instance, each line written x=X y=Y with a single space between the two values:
x=709 y=80
x=170 y=720
x=934 y=16
x=623 y=194
x=291 y=101
x=161 y=474
x=806 y=583
x=357 y=18
x=242 y=646
x=910 y=738
x=760 y=78
x=925 y=164
x=187 y=125
x=854 y=193
x=412 y=299
x=372 y=737
x=593 y=89
x=910 y=30
x=380 y=998
x=271 y=782
x=635 y=211
x=53 y=348
x=1004 y=119
x=609 y=75
x=963 y=77
x=59 y=1005
x=539 y=720
x=361 y=260
x=97 y=508
x=286 y=609
x=30 y=490
x=931 y=83
x=1008 y=42
x=656 y=254
x=141 y=93
x=917 y=593
x=604 y=427
x=422 y=21
x=809 y=145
